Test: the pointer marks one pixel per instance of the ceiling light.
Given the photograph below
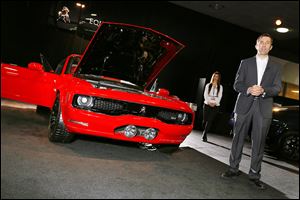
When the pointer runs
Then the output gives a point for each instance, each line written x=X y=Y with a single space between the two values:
x=282 y=30
x=295 y=91
x=80 y=5
x=278 y=22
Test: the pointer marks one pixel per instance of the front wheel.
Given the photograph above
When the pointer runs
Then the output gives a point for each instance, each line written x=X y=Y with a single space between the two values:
x=289 y=146
x=57 y=130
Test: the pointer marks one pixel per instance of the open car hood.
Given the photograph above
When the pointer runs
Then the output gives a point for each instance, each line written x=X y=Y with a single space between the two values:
x=127 y=52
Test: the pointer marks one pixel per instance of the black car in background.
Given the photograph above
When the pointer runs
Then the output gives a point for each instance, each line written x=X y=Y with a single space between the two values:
x=283 y=136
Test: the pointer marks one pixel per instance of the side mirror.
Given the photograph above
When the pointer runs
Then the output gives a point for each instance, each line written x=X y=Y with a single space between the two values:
x=163 y=92
x=36 y=66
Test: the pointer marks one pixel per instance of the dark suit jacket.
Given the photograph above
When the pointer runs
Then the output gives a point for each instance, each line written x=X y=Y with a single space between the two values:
x=247 y=76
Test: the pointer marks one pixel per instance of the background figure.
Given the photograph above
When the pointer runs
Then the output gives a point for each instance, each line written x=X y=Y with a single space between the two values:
x=212 y=97
x=64 y=15
x=258 y=79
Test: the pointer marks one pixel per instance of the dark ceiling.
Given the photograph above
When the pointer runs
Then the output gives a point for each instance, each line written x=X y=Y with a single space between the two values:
x=258 y=16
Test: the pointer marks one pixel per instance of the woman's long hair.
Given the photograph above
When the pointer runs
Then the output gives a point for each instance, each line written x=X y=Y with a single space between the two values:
x=218 y=83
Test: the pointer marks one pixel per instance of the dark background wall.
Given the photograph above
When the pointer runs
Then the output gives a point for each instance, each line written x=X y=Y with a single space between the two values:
x=211 y=44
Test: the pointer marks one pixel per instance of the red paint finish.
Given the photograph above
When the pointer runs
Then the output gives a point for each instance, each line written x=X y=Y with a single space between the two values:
x=32 y=84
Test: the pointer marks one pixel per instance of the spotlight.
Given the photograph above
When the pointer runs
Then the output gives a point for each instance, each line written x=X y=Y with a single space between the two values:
x=130 y=131
x=150 y=133
x=278 y=22
x=282 y=30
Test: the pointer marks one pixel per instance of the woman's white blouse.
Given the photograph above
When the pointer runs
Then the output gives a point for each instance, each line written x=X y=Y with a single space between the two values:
x=213 y=96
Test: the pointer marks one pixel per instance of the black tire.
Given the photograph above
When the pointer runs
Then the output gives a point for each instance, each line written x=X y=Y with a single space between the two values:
x=57 y=130
x=289 y=146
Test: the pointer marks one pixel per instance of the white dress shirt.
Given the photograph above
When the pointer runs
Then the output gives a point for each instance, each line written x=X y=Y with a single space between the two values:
x=261 y=66
x=213 y=96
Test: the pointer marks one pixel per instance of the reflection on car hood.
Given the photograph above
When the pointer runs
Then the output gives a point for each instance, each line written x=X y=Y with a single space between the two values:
x=288 y=115
x=127 y=52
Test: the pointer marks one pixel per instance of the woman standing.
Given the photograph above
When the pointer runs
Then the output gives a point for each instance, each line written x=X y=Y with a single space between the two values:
x=212 y=97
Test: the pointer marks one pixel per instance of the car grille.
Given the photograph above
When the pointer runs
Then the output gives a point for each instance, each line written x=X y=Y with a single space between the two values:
x=100 y=104
x=116 y=107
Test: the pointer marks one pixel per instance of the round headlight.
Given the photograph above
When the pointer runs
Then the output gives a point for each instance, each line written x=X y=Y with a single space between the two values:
x=150 y=133
x=130 y=131
x=182 y=117
x=85 y=101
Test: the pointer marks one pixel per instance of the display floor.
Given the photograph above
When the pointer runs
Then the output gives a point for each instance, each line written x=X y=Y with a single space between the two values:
x=91 y=167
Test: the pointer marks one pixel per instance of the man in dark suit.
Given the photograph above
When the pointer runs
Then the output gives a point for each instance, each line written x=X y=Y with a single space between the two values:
x=257 y=81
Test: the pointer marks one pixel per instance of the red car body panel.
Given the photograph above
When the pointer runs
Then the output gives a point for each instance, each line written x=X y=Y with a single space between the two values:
x=31 y=85
x=104 y=125
x=27 y=85
x=36 y=86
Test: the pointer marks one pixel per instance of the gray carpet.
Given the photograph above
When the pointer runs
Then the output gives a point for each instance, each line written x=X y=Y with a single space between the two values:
x=92 y=167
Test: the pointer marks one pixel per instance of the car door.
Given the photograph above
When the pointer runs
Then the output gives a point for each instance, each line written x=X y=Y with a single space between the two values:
x=29 y=84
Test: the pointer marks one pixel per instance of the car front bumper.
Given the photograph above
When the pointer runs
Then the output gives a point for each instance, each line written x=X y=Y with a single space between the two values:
x=97 y=124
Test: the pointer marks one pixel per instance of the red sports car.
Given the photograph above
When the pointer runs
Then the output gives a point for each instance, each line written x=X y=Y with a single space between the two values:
x=104 y=91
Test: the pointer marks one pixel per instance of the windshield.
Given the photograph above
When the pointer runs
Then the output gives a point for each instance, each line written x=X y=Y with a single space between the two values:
x=123 y=52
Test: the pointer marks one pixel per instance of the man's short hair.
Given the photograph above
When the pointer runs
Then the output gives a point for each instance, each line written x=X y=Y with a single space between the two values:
x=265 y=35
